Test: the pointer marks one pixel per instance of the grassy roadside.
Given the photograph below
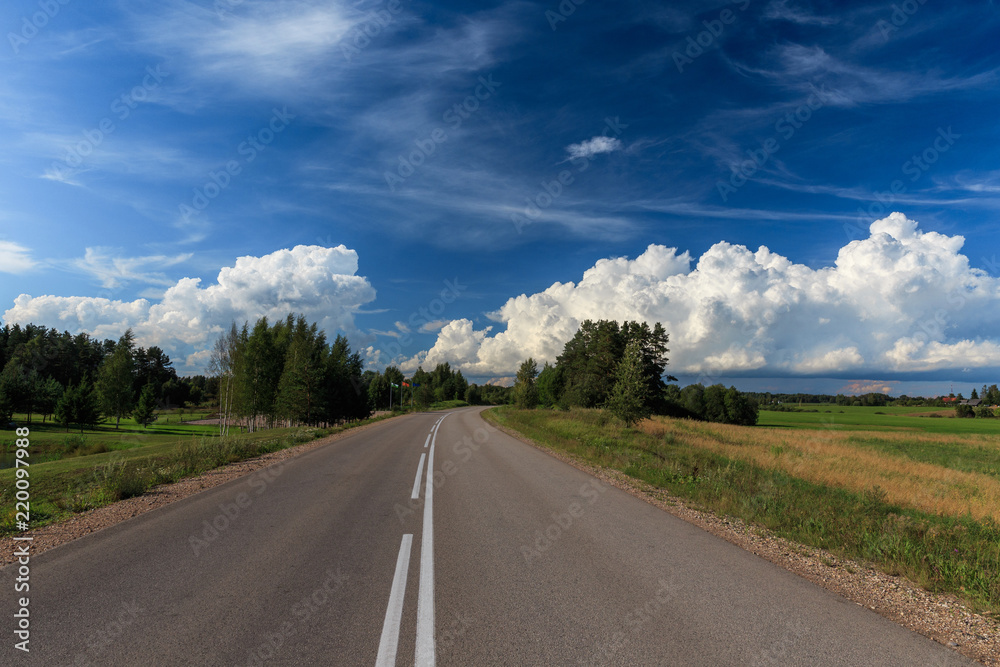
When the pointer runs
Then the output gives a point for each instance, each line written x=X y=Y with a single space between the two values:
x=723 y=470
x=63 y=487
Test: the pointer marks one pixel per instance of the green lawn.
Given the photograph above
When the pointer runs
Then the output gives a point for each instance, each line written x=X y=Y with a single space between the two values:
x=854 y=418
x=51 y=441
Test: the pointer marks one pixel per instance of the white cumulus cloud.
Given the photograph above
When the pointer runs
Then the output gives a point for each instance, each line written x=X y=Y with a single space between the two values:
x=316 y=281
x=901 y=300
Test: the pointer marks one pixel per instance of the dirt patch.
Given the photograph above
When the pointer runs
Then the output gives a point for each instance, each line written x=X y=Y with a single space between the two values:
x=950 y=412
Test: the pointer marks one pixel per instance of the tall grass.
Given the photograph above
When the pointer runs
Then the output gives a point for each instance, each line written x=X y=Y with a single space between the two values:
x=834 y=458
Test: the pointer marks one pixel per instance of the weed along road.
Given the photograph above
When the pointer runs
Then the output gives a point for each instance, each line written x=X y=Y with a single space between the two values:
x=433 y=539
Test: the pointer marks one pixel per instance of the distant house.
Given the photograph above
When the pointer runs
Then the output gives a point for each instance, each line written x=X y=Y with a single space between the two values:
x=972 y=402
x=949 y=399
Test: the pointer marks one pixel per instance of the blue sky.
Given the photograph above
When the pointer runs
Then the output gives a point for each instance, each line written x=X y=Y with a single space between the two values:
x=465 y=182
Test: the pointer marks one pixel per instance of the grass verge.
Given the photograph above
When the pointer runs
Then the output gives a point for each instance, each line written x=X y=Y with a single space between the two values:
x=939 y=551
x=60 y=488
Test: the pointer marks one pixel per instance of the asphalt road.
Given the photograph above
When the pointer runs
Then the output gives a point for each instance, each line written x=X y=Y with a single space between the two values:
x=506 y=556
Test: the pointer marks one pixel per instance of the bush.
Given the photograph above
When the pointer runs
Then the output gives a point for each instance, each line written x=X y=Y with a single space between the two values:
x=119 y=481
x=984 y=412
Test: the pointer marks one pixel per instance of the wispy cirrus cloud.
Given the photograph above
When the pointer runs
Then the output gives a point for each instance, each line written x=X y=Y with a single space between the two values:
x=848 y=84
x=15 y=258
x=784 y=11
x=113 y=269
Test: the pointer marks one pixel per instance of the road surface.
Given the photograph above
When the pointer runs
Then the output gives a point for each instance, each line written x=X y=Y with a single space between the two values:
x=351 y=555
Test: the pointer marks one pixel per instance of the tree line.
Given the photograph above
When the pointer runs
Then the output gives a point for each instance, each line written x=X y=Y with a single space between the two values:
x=72 y=377
x=391 y=388
x=622 y=368
x=286 y=373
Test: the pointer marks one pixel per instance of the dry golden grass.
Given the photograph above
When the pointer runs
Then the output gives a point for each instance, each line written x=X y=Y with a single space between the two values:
x=828 y=457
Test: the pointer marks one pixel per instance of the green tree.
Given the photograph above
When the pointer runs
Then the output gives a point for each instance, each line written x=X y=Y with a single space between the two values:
x=550 y=385
x=78 y=405
x=992 y=395
x=378 y=392
x=629 y=399
x=115 y=389
x=12 y=390
x=714 y=399
x=49 y=397
x=347 y=392
x=145 y=410
x=740 y=408
x=298 y=398
x=693 y=400
x=525 y=391
x=590 y=359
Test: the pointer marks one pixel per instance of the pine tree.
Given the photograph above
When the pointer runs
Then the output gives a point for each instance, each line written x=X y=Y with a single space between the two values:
x=525 y=391
x=145 y=409
x=629 y=399
x=78 y=405
x=64 y=412
x=87 y=410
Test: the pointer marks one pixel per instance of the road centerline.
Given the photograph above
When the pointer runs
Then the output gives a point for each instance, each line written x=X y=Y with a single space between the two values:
x=416 y=482
x=425 y=648
x=394 y=611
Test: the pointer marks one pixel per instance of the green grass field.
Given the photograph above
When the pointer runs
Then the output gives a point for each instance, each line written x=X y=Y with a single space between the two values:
x=854 y=418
